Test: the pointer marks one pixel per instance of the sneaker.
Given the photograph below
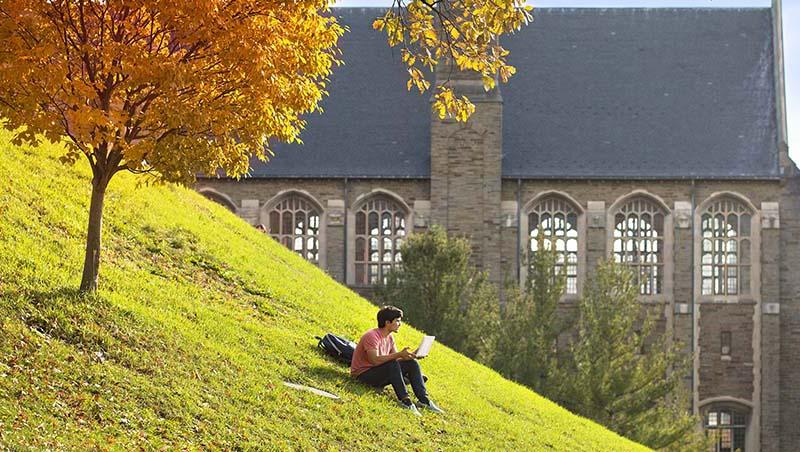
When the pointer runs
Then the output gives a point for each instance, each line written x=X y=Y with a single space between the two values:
x=432 y=407
x=411 y=407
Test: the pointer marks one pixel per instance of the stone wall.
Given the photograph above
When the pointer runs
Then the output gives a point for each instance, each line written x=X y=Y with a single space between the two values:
x=466 y=165
x=720 y=377
x=465 y=182
x=790 y=314
x=771 y=388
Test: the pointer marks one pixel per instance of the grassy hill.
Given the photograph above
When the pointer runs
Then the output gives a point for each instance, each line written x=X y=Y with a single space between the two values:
x=198 y=322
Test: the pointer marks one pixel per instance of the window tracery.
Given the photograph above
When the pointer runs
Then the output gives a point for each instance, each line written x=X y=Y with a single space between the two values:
x=295 y=223
x=380 y=229
x=726 y=231
x=638 y=242
x=554 y=221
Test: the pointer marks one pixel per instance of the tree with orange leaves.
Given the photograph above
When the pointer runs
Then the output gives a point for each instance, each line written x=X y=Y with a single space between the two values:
x=176 y=88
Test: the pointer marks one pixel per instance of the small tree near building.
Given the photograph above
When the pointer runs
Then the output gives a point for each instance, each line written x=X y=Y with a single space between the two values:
x=527 y=345
x=622 y=374
x=442 y=294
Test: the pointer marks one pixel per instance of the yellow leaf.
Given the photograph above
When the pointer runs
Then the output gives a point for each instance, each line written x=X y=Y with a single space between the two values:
x=488 y=83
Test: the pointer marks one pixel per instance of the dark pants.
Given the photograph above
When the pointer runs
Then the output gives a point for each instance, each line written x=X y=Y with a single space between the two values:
x=392 y=372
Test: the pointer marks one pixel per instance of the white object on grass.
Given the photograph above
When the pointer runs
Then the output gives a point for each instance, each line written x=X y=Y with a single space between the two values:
x=316 y=391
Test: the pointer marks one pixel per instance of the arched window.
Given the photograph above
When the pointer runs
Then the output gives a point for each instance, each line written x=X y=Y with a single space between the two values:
x=295 y=222
x=725 y=251
x=555 y=221
x=380 y=230
x=638 y=242
x=727 y=428
x=218 y=198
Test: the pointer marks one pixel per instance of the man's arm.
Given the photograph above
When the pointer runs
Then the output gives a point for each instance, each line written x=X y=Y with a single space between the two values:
x=394 y=350
x=376 y=360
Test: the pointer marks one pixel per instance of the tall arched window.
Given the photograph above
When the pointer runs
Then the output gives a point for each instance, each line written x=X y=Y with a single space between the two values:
x=727 y=428
x=638 y=242
x=380 y=230
x=555 y=221
x=725 y=250
x=295 y=223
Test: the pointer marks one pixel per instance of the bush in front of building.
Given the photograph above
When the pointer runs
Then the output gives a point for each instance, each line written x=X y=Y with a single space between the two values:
x=442 y=294
x=527 y=348
x=620 y=372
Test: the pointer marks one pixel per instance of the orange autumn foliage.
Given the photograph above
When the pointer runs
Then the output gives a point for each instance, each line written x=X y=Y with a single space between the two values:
x=173 y=88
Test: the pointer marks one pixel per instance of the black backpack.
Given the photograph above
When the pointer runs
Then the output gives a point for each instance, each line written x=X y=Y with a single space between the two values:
x=337 y=347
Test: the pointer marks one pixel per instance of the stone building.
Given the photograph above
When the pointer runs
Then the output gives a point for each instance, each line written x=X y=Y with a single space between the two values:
x=656 y=136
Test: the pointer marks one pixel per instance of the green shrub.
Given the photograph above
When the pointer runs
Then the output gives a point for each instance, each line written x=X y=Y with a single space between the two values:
x=621 y=372
x=527 y=345
x=442 y=294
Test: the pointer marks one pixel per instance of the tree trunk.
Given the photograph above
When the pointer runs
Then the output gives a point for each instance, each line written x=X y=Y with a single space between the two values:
x=91 y=263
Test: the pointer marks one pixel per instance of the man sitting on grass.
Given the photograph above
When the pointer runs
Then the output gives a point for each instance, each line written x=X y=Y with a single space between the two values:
x=377 y=362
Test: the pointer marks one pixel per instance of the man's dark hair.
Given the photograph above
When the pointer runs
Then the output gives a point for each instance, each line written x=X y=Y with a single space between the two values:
x=388 y=314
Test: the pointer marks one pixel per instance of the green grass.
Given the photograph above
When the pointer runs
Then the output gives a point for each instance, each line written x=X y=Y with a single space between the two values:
x=198 y=321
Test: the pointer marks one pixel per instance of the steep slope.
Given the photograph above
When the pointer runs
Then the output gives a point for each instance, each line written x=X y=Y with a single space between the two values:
x=199 y=320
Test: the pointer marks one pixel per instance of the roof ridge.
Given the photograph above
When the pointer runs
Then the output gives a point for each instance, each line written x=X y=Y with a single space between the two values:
x=601 y=8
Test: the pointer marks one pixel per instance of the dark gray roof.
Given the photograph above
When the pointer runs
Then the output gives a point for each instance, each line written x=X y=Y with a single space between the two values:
x=599 y=93
x=371 y=125
x=642 y=93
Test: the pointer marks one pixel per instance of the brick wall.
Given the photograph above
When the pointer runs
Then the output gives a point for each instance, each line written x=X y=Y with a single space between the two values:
x=771 y=392
x=718 y=377
x=790 y=314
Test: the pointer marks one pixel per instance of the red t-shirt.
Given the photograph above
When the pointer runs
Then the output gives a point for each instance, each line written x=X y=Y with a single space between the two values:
x=371 y=340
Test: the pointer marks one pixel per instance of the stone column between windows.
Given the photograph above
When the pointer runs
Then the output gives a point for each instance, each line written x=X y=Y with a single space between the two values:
x=510 y=240
x=334 y=239
x=595 y=235
x=682 y=285
x=466 y=163
x=249 y=211
x=770 y=351
x=789 y=312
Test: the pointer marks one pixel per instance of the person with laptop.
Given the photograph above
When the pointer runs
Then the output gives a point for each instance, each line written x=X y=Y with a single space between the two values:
x=377 y=362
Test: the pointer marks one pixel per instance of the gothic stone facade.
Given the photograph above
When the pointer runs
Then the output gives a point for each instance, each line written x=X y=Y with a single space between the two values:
x=717 y=253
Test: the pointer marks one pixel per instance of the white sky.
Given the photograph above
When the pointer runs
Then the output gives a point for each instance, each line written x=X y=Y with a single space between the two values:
x=791 y=39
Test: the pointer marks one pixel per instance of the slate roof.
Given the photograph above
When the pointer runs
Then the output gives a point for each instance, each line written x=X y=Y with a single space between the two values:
x=371 y=125
x=599 y=93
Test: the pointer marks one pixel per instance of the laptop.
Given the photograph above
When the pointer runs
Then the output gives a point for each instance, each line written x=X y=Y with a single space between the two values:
x=425 y=346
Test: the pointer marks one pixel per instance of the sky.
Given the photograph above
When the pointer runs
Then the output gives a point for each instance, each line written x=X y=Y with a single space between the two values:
x=791 y=40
